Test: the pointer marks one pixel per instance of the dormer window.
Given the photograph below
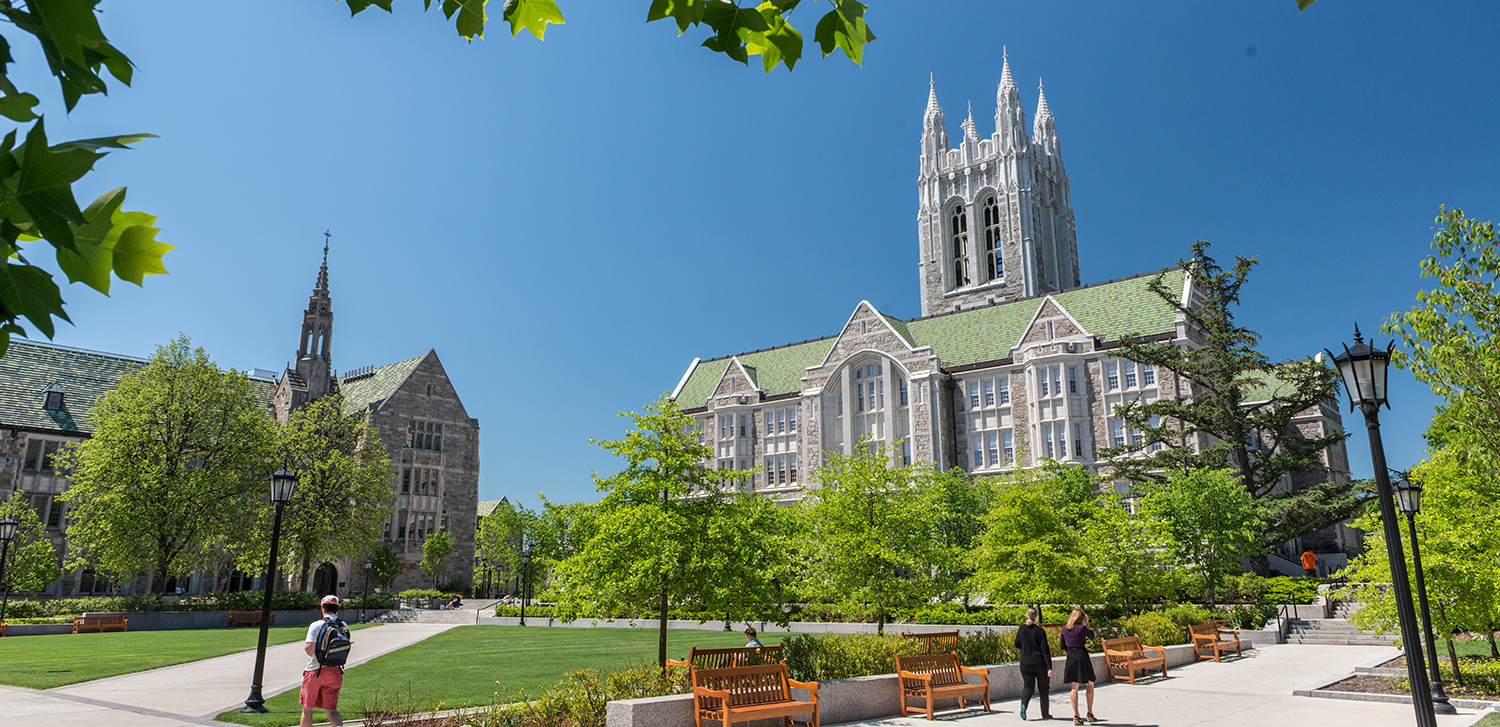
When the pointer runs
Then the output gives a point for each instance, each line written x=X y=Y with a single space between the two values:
x=52 y=398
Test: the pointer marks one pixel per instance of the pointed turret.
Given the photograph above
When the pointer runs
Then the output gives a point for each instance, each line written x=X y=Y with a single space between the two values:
x=1045 y=129
x=934 y=132
x=971 y=135
x=315 y=345
x=934 y=116
x=1010 y=117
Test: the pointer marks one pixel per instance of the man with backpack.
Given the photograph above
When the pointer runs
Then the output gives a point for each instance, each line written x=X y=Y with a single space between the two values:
x=327 y=644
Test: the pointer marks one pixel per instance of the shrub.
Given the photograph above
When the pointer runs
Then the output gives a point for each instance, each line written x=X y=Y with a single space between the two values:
x=1155 y=628
x=1245 y=616
x=371 y=600
x=580 y=700
x=987 y=647
x=419 y=593
x=533 y=611
x=1290 y=589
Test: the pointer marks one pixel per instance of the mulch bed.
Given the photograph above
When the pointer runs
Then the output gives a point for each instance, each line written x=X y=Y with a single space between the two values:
x=1388 y=685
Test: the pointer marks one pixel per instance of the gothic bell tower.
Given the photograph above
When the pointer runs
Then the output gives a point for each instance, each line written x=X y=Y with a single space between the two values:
x=312 y=375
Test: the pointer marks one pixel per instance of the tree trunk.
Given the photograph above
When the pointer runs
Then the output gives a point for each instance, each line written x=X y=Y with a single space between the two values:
x=1458 y=677
x=306 y=564
x=1261 y=565
x=1490 y=635
x=661 y=636
x=1211 y=602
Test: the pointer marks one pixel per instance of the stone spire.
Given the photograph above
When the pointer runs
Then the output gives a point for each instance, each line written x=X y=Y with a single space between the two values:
x=934 y=132
x=971 y=135
x=323 y=272
x=934 y=115
x=1045 y=128
x=315 y=344
x=1010 y=117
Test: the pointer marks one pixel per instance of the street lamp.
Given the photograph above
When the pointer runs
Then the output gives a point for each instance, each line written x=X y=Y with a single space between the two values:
x=7 y=531
x=1409 y=497
x=1364 y=370
x=283 y=484
x=525 y=581
x=366 y=600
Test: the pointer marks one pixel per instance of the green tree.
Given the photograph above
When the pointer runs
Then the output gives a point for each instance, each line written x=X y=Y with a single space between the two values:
x=175 y=471
x=1130 y=551
x=1225 y=405
x=868 y=529
x=32 y=561
x=344 y=476
x=650 y=538
x=961 y=506
x=1032 y=551
x=385 y=566
x=436 y=550
x=1212 y=520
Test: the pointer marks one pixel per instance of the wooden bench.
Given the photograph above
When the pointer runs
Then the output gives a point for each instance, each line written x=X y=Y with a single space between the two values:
x=747 y=693
x=1128 y=654
x=246 y=618
x=935 y=642
x=939 y=676
x=1210 y=636
x=99 y=623
x=724 y=658
x=2 y=629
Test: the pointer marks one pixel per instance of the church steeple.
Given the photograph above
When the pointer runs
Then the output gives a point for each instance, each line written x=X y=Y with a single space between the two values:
x=934 y=132
x=1010 y=116
x=315 y=345
x=1045 y=130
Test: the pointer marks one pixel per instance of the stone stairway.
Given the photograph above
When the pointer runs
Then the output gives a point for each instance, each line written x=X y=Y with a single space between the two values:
x=1334 y=631
x=424 y=616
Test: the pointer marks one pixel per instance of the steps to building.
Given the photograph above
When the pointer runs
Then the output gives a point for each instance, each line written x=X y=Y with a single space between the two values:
x=1334 y=631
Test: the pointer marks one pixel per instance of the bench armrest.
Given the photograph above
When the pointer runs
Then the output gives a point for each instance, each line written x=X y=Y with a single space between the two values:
x=1230 y=632
x=903 y=674
x=809 y=686
x=675 y=662
x=970 y=670
x=1158 y=649
x=706 y=692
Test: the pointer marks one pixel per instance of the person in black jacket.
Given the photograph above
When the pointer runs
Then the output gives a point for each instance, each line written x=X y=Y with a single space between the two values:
x=1036 y=662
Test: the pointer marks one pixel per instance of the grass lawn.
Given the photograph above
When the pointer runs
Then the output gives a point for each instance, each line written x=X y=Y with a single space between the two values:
x=459 y=667
x=1474 y=647
x=1490 y=720
x=43 y=662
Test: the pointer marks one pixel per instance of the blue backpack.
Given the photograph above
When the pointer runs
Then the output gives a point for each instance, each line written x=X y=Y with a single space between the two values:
x=332 y=646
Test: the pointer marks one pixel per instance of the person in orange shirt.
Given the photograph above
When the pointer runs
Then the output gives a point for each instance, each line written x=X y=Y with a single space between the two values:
x=1310 y=563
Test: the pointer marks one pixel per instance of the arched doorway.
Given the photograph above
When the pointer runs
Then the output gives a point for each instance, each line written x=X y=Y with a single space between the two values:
x=326 y=580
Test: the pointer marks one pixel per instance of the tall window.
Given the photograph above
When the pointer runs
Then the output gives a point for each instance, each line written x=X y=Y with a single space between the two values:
x=426 y=435
x=780 y=446
x=989 y=418
x=992 y=239
x=959 y=224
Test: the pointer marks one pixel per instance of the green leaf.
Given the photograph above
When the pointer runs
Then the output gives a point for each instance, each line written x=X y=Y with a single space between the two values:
x=533 y=15
x=28 y=291
x=92 y=260
x=686 y=13
x=735 y=29
x=844 y=27
x=471 y=16
x=44 y=188
x=1304 y=4
x=6 y=331
x=358 y=6
x=71 y=25
x=137 y=253
x=782 y=43
x=17 y=107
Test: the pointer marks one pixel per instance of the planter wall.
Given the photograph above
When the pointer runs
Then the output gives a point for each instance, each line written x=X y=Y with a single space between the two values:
x=861 y=698
x=798 y=627
x=176 y=620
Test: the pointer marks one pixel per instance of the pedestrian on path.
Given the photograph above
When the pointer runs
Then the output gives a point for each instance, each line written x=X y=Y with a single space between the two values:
x=1036 y=664
x=327 y=645
x=1310 y=563
x=1079 y=668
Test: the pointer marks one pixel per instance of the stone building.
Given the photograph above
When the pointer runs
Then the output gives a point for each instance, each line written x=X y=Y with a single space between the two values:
x=47 y=393
x=1013 y=362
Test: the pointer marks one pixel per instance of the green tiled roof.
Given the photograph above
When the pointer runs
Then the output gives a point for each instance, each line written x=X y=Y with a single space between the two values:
x=83 y=375
x=487 y=507
x=374 y=389
x=1111 y=310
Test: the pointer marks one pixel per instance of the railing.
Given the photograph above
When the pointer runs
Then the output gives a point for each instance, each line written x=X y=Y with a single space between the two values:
x=1284 y=615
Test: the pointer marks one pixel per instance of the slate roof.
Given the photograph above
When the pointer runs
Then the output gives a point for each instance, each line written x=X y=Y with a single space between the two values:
x=1112 y=310
x=487 y=507
x=373 y=389
x=29 y=367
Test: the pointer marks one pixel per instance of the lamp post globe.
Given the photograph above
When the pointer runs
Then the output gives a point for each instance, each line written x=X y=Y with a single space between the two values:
x=283 y=485
x=525 y=581
x=7 y=532
x=1364 y=369
x=1409 y=497
x=369 y=564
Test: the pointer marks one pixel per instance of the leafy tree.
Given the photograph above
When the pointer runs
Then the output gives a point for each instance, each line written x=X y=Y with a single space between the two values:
x=1129 y=550
x=961 y=504
x=651 y=537
x=1031 y=550
x=175 y=471
x=385 y=566
x=1212 y=521
x=32 y=561
x=436 y=550
x=343 y=496
x=1225 y=405
x=868 y=531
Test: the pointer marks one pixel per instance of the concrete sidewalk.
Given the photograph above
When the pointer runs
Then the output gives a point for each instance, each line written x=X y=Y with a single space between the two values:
x=192 y=693
x=1253 y=691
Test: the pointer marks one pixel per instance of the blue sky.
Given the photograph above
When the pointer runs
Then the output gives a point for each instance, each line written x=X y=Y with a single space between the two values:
x=569 y=222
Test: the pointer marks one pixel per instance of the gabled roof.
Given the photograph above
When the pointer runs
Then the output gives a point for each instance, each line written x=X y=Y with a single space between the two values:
x=487 y=507
x=374 y=388
x=1112 y=310
x=30 y=367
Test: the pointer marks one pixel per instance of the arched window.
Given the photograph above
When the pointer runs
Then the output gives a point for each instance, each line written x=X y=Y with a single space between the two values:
x=959 y=224
x=992 y=239
x=878 y=413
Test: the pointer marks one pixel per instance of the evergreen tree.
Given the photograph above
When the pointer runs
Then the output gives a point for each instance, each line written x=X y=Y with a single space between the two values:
x=1224 y=404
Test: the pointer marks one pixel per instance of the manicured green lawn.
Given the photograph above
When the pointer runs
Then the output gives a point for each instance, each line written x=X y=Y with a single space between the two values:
x=43 y=662
x=1474 y=647
x=459 y=667
x=1490 y=720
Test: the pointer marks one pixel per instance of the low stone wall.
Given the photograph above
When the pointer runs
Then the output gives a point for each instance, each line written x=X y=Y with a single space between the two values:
x=798 y=627
x=180 y=620
x=37 y=629
x=861 y=698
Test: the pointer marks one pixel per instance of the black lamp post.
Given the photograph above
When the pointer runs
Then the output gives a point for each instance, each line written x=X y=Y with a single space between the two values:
x=366 y=600
x=525 y=581
x=1364 y=370
x=7 y=531
x=1409 y=498
x=283 y=484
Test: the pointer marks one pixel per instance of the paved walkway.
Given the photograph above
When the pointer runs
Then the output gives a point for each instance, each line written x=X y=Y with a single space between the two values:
x=192 y=693
x=1253 y=691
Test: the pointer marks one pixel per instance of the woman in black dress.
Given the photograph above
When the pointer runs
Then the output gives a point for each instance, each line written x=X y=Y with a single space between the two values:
x=1079 y=668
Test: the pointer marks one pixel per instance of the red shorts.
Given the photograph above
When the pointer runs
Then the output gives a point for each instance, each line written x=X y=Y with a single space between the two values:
x=321 y=692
